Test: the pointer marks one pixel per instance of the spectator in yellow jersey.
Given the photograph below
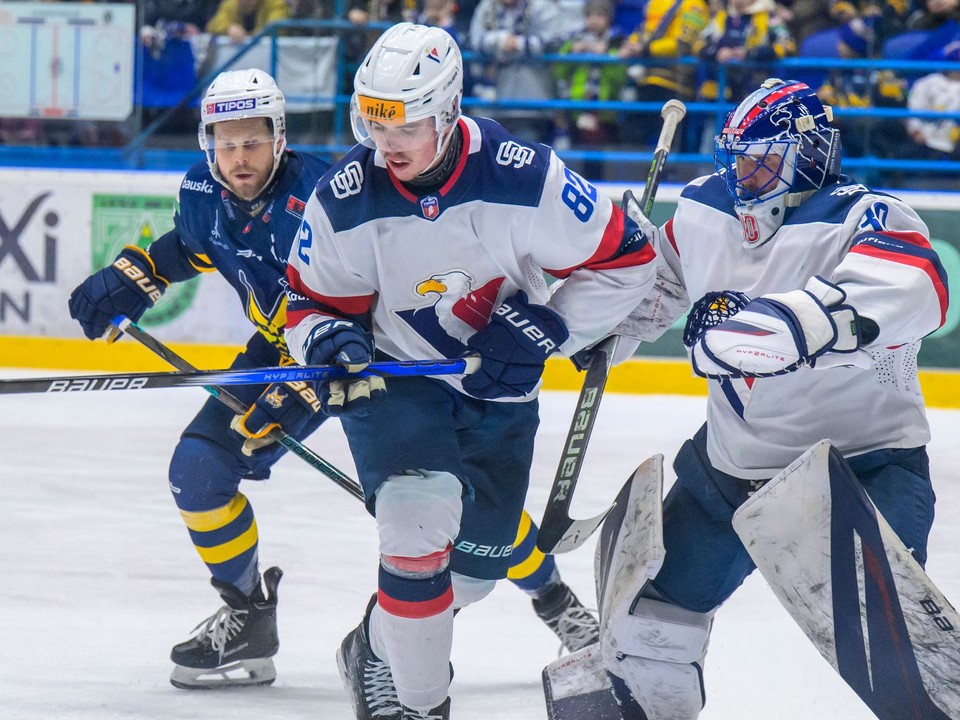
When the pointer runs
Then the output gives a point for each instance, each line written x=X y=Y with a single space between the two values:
x=238 y=19
x=670 y=29
x=744 y=30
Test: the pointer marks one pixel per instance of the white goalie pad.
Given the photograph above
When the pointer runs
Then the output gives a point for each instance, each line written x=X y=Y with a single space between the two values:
x=854 y=589
x=629 y=552
x=630 y=548
x=576 y=687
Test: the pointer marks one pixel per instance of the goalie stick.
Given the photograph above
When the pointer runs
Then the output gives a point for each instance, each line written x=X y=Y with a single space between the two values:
x=278 y=434
x=559 y=532
x=256 y=376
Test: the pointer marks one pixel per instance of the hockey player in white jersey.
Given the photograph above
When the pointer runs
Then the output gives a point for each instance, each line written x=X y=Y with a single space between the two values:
x=810 y=296
x=431 y=238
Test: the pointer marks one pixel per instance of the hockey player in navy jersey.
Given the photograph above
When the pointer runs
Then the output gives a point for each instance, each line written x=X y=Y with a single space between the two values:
x=239 y=213
x=810 y=296
x=431 y=238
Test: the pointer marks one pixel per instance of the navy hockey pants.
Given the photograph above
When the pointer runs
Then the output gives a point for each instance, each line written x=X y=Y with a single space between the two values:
x=206 y=470
x=706 y=562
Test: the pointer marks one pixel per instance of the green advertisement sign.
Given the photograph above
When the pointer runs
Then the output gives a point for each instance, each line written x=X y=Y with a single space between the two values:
x=120 y=220
x=940 y=350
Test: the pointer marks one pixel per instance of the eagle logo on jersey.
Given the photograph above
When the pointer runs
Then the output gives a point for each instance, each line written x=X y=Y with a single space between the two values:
x=456 y=310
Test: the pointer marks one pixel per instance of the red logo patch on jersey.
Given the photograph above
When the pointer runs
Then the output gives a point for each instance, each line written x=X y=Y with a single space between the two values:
x=296 y=206
x=751 y=230
x=430 y=207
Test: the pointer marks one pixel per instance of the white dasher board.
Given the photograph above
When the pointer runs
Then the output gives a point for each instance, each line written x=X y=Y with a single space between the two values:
x=67 y=60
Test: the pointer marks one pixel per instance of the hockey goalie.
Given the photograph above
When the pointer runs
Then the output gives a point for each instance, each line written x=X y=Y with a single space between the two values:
x=815 y=293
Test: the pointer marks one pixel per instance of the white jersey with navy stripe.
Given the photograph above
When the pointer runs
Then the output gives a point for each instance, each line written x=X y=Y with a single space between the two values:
x=877 y=250
x=428 y=269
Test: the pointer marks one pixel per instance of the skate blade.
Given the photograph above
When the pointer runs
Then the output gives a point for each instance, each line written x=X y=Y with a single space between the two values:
x=243 y=673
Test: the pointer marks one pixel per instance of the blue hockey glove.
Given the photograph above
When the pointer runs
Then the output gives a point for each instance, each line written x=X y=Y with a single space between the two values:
x=776 y=334
x=128 y=287
x=286 y=405
x=513 y=348
x=346 y=343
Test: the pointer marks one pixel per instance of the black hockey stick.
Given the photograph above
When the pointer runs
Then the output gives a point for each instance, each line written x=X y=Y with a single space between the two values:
x=559 y=532
x=277 y=434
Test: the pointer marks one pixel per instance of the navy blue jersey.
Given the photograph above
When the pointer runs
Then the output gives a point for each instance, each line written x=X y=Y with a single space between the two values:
x=214 y=231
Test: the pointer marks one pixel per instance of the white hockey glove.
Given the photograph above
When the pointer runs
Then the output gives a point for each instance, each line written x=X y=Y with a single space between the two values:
x=731 y=336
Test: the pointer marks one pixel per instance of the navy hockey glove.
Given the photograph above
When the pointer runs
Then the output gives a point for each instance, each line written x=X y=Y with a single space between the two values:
x=513 y=348
x=128 y=287
x=286 y=405
x=775 y=334
x=346 y=343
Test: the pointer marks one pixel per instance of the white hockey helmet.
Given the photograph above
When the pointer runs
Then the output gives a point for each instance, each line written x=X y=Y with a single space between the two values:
x=236 y=95
x=411 y=72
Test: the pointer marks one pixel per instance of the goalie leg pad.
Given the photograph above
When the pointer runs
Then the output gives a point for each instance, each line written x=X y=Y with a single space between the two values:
x=659 y=661
x=854 y=588
x=576 y=686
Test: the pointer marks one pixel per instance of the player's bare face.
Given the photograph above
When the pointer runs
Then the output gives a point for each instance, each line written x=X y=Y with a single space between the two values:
x=244 y=152
x=407 y=149
x=759 y=174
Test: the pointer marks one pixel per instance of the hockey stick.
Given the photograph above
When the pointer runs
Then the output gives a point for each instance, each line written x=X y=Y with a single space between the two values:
x=559 y=532
x=278 y=434
x=256 y=376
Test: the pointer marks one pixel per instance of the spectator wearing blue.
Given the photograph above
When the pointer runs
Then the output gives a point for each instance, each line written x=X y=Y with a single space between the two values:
x=591 y=81
x=670 y=29
x=865 y=88
x=512 y=34
x=745 y=30
x=882 y=18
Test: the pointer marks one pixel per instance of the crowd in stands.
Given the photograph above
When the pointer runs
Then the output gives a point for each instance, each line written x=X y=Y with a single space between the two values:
x=631 y=50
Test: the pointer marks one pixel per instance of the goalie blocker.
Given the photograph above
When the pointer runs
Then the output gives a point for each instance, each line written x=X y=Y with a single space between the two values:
x=865 y=603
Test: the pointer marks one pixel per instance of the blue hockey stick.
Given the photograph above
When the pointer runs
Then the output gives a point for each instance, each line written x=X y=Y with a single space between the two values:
x=258 y=376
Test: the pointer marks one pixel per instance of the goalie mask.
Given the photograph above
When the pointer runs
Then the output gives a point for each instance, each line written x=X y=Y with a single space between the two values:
x=776 y=147
x=237 y=95
x=412 y=72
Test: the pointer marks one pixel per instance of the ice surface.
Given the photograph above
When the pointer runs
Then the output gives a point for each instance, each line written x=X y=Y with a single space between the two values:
x=100 y=578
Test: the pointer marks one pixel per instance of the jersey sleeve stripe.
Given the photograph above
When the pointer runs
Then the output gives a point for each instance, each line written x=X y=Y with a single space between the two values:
x=343 y=305
x=619 y=247
x=668 y=229
x=922 y=258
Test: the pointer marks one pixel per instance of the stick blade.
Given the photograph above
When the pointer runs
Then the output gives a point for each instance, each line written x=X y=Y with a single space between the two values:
x=562 y=537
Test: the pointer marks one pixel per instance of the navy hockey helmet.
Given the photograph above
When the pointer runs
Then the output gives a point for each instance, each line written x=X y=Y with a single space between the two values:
x=777 y=141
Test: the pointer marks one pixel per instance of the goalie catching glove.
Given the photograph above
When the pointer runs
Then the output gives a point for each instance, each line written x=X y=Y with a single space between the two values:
x=513 y=348
x=729 y=335
x=130 y=286
x=346 y=343
x=281 y=405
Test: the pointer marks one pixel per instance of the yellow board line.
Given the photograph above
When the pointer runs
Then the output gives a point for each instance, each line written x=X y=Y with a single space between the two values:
x=644 y=376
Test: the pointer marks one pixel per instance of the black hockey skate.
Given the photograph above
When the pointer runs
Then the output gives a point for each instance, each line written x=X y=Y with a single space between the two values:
x=563 y=613
x=440 y=712
x=234 y=646
x=366 y=677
